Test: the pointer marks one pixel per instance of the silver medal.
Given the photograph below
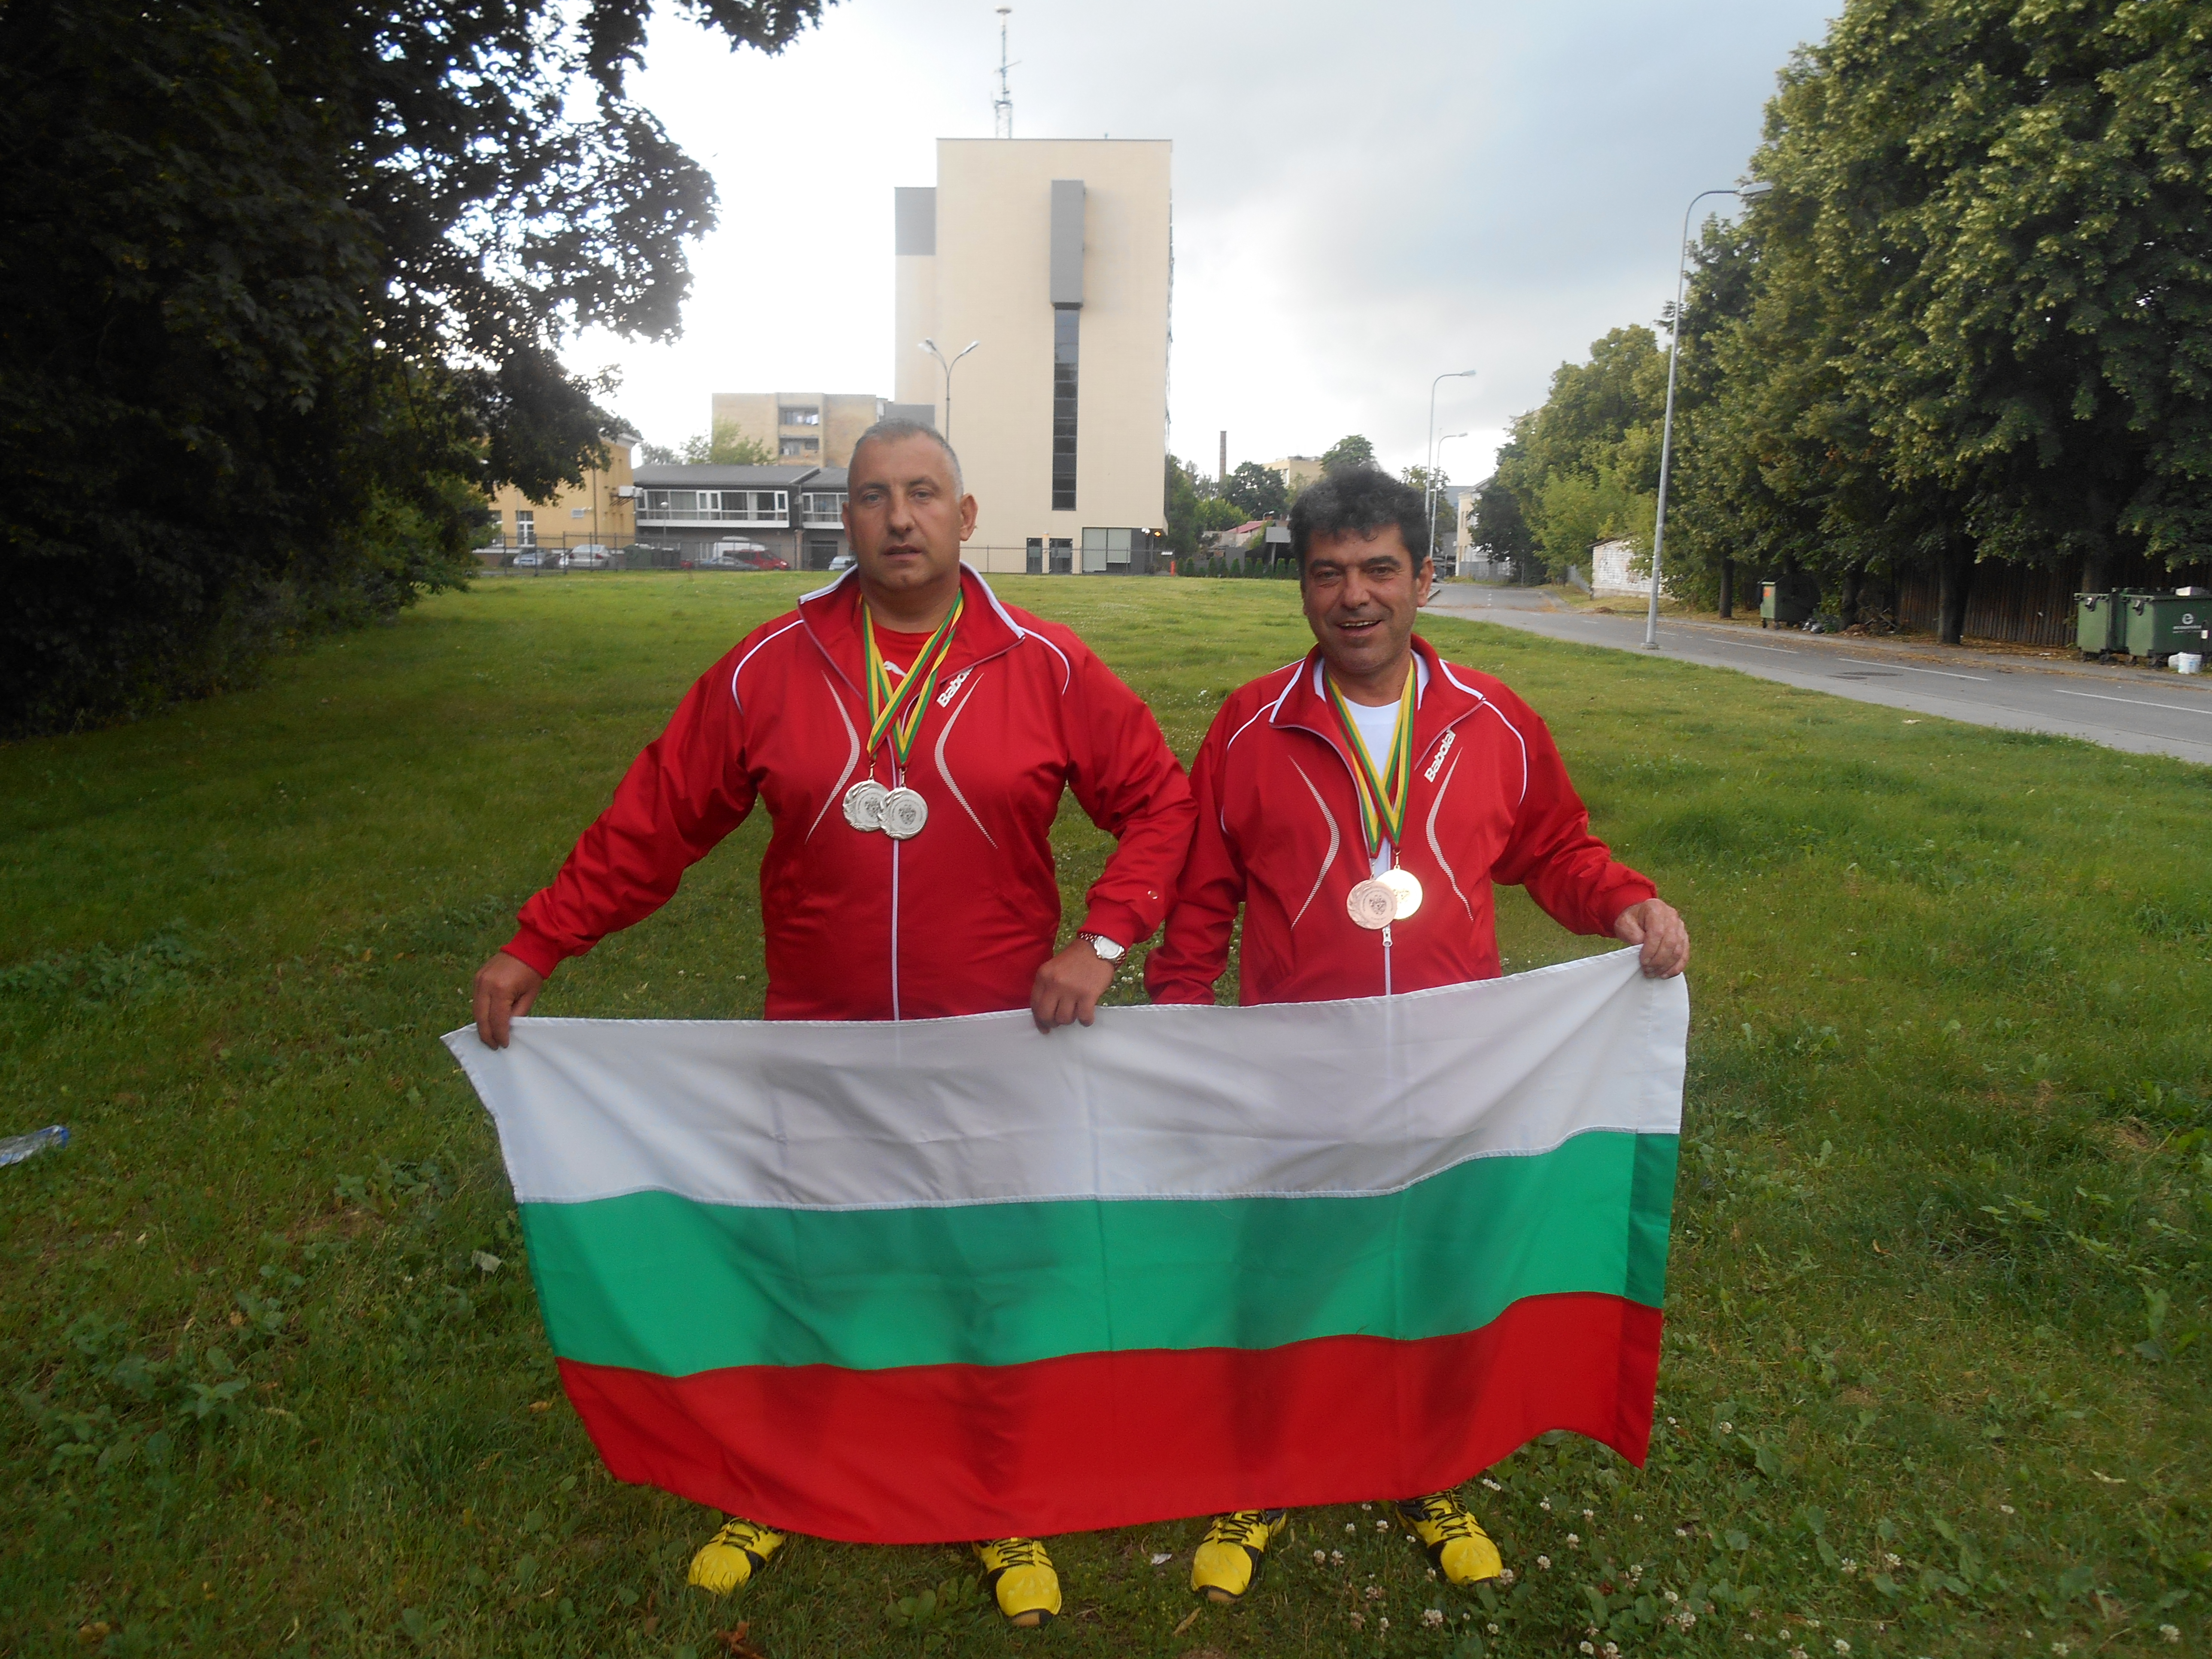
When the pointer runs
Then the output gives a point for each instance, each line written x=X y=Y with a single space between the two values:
x=904 y=812
x=864 y=805
x=1373 y=904
x=1405 y=887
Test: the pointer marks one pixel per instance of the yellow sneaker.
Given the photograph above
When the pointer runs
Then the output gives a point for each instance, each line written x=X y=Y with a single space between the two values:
x=1454 y=1539
x=1019 y=1572
x=732 y=1556
x=1228 y=1560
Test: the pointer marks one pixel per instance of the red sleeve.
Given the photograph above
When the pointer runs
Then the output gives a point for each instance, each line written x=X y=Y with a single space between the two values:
x=1568 y=871
x=1129 y=782
x=1195 y=949
x=688 y=790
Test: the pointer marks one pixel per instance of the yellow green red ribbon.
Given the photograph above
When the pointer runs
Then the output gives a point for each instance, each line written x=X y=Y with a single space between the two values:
x=897 y=710
x=1382 y=792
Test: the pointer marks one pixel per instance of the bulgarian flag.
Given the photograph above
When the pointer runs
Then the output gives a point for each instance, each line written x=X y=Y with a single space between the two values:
x=947 y=1279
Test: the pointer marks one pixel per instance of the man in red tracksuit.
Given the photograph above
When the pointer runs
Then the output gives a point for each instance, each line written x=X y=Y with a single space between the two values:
x=1358 y=804
x=911 y=738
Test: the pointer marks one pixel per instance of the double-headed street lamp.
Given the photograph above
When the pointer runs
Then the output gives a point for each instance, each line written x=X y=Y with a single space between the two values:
x=930 y=346
x=1449 y=375
x=1750 y=193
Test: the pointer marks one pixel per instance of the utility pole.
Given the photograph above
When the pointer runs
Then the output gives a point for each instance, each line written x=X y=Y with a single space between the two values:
x=1002 y=107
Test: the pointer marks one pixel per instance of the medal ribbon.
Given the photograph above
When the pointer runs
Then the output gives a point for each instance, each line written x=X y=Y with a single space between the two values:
x=897 y=711
x=1382 y=798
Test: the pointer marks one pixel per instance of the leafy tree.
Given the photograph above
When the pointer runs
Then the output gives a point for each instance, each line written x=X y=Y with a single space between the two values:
x=1193 y=508
x=284 y=289
x=1354 y=451
x=1257 y=491
x=728 y=445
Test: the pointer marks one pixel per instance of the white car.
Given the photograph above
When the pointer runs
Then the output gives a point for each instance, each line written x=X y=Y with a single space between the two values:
x=590 y=557
x=843 y=561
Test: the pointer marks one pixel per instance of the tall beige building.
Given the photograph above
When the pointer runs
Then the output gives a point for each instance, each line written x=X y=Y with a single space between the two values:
x=800 y=428
x=1053 y=255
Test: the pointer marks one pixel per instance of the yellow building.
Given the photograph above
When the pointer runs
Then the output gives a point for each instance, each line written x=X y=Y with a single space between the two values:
x=800 y=428
x=1296 y=472
x=600 y=511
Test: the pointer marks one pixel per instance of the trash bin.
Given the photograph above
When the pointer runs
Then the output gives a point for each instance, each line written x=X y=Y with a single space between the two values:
x=2160 y=624
x=1780 y=608
x=2097 y=627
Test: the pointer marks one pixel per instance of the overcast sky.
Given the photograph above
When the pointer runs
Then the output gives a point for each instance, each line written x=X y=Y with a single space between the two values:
x=1362 y=198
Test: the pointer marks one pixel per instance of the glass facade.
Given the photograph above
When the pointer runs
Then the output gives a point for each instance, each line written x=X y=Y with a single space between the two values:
x=1066 y=334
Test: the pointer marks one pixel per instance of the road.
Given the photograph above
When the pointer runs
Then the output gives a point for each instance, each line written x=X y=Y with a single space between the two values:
x=2131 y=709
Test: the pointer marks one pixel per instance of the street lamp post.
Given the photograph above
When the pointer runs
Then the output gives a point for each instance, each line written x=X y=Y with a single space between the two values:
x=1429 y=493
x=1436 y=483
x=1750 y=193
x=930 y=346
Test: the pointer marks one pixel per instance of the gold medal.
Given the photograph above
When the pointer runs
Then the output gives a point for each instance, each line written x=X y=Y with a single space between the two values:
x=1373 y=904
x=904 y=813
x=864 y=805
x=1406 y=888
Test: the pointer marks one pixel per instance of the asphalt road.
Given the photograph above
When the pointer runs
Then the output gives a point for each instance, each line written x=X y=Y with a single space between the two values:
x=2136 y=709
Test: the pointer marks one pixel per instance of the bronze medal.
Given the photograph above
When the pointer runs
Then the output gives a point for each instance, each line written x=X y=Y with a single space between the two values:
x=1373 y=904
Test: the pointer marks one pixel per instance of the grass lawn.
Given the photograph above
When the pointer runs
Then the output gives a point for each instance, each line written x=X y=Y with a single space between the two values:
x=1932 y=1383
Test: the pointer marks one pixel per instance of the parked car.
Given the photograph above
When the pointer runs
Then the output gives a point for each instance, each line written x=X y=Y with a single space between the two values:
x=740 y=555
x=528 y=558
x=841 y=562
x=590 y=557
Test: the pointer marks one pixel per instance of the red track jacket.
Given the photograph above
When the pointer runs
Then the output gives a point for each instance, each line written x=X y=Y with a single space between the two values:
x=1279 y=832
x=955 y=921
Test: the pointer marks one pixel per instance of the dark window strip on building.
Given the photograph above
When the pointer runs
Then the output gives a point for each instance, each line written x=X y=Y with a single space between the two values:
x=1067 y=326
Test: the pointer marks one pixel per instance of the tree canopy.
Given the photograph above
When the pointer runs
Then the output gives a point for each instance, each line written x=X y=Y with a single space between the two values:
x=1968 y=324
x=1257 y=491
x=1354 y=451
x=285 y=289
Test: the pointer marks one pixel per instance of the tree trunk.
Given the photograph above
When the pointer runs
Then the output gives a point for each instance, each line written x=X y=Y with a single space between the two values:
x=2092 y=572
x=1854 y=585
x=1955 y=576
x=1728 y=587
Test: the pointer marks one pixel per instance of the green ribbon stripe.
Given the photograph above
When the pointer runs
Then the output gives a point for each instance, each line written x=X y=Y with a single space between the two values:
x=667 y=1284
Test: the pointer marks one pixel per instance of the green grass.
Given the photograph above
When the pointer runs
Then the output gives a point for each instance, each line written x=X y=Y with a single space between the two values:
x=1932 y=1376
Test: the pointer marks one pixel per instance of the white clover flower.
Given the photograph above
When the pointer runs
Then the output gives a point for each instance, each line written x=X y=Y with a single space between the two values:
x=1492 y=1485
x=1637 y=1519
x=1367 y=1506
x=1892 y=1561
x=2007 y=1509
x=1590 y=1515
x=1382 y=1624
x=1358 y=1621
x=1850 y=1565
x=2167 y=1632
x=1574 y=1541
x=1375 y=1592
x=1321 y=1557
x=1544 y=1505
x=1797 y=1653
x=1337 y=1556
x=1351 y=1526
x=2061 y=1649
x=1586 y=1647
x=1842 y=1646
x=1671 y=1597
x=1382 y=1526
x=1728 y=1428
x=1544 y=1562
x=1686 y=1618
x=1506 y=1575
x=1611 y=1650
x=1492 y=1627
x=1433 y=1617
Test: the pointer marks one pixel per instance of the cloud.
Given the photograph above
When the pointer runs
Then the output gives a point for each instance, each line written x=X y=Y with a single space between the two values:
x=1362 y=198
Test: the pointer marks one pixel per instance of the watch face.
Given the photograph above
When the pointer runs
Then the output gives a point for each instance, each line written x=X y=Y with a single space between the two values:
x=1106 y=948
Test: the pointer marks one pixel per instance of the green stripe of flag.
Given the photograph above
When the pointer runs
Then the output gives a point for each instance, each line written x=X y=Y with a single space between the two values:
x=668 y=1284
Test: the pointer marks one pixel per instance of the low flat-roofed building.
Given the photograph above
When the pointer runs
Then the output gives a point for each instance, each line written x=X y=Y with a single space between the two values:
x=789 y=512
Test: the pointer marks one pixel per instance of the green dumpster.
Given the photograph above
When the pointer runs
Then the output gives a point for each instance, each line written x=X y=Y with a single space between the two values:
x=2098 y=624
x=1785 y=605
x=2160 y=624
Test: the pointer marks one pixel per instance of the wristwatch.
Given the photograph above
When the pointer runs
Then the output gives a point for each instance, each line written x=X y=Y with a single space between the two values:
x=1108 y=951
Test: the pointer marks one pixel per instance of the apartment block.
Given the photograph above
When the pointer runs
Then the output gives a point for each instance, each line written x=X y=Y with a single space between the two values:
x=800 y=428
x=598 y=511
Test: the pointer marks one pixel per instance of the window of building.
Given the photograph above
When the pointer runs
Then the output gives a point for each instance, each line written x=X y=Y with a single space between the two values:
x=1067 y=327
x=1060 y=552
x=526 y=528
x=819 y=507
x=579 y=512
x=795 y=415
x=799 y=445
x=1036 y=561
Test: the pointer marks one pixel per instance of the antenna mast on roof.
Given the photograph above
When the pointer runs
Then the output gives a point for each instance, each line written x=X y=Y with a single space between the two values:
x=1002 y=107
